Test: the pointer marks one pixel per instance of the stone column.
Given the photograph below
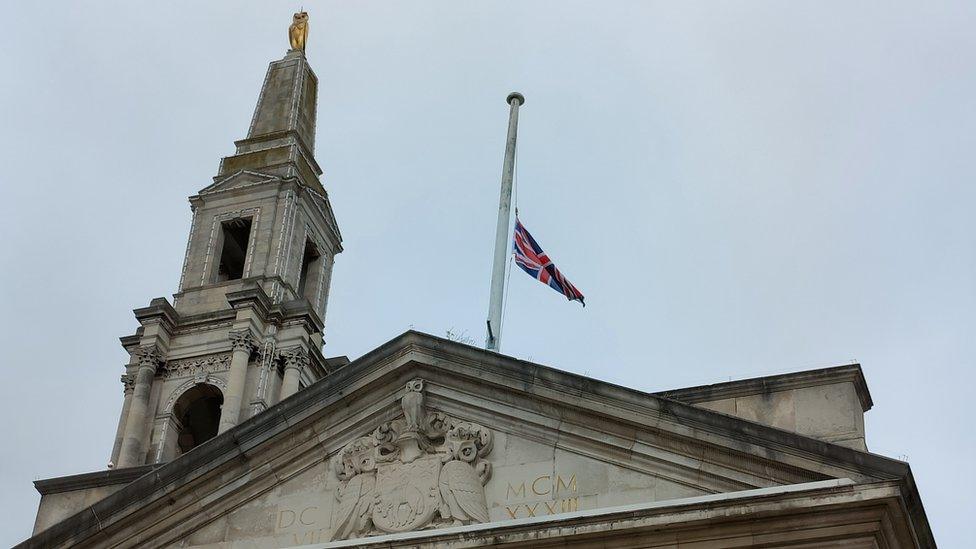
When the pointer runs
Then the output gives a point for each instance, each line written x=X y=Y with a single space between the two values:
x=296 y=359
x=132 y=451
x=128 y=384
x=230 y=412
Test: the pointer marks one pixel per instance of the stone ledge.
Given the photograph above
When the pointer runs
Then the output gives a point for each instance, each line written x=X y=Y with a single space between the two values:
x=815 y=504
x=96 y=479
x=779 y=382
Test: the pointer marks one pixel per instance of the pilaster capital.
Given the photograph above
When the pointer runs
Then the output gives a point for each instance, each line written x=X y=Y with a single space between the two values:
x=242 y=340
x=294 y=357
x=128 y=383
x=149 y=356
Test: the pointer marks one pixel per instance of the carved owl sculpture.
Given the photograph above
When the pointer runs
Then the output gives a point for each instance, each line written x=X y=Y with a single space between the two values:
x=463 y=493
x=298 y=31
x=413 y=404
x=354 y=505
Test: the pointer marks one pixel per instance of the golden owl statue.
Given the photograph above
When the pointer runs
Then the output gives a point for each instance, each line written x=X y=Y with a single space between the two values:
x=298 y=31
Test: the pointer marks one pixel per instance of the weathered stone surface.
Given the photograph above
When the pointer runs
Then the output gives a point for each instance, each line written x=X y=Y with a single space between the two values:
x=828 y=404
x=65 y=496
x=272 y=481
x=820 y=514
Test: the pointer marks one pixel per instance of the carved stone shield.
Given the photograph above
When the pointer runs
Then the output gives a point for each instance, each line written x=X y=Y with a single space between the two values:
x=407 y=495
x=423 y=470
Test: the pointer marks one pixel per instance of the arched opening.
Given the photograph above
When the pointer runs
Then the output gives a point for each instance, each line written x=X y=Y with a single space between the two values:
x=197 y=412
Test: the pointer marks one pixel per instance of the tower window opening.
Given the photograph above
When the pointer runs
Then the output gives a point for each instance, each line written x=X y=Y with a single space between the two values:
x=311 y=269
x=198 y=414
x=235 y=234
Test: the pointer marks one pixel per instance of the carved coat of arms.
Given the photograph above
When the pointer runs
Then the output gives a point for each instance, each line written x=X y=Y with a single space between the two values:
x=425 y=470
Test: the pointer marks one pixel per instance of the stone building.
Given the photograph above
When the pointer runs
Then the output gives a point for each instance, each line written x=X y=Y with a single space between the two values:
x=236 y=430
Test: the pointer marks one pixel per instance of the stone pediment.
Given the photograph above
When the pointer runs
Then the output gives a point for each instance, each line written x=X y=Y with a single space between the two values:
x=237 y=180
x=423 y=433
x=427 y=469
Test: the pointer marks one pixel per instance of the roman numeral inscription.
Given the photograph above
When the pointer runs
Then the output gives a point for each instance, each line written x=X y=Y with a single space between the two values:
x=542 y=495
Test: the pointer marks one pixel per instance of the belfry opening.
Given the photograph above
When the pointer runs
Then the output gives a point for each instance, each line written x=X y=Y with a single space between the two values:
x=197 y=413
x=310 y=268
x=235 y=235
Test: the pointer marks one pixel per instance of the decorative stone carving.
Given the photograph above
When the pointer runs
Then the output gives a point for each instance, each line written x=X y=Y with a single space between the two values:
x=267 y=358
x=294 y=357
x=426 y=470
x=128 y=383
x=149 y=356
x=186 y=385
x=242 y=340
x=195 y=366
x=266 y=354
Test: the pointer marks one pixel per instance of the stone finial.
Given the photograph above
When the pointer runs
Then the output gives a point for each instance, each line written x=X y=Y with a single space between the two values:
x=242 y=340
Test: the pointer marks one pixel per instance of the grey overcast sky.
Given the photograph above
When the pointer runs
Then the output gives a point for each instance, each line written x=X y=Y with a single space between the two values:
x=739 y=188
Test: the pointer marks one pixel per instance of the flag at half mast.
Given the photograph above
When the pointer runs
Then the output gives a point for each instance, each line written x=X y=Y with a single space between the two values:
x=530 y=257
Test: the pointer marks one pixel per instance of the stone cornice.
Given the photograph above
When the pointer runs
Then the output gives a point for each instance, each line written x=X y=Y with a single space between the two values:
x=159 y=310
x=321 y=197
x=298 y=311
x=96 y=479
x=814 y=505
x=260 y=177
x=779 y=382
x=130 y=342
x=253 y=296
x=595 y=396
x=278 y=135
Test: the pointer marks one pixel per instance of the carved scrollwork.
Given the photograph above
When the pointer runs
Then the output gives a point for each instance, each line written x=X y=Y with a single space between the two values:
x=425 y=469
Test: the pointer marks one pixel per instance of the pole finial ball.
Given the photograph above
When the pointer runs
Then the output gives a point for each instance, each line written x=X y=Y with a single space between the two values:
x=515 y=96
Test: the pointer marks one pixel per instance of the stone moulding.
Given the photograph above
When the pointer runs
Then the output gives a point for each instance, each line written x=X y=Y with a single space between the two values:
x=781 y=382
x=97 y=479
x=257 y=178
x=425 y=470
x=201 y=379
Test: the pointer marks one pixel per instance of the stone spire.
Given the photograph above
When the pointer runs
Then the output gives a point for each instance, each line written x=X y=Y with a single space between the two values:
x=245 y=329
x=281 y=137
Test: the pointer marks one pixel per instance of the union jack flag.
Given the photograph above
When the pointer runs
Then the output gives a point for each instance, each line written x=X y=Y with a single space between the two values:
x=530 y=257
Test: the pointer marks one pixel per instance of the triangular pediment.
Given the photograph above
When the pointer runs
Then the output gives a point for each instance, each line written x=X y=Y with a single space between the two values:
x=426 y=433
x=239 y=179
x=516 y=469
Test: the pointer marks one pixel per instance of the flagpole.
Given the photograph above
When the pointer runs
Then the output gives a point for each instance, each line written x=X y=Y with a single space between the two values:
x=502 y=236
